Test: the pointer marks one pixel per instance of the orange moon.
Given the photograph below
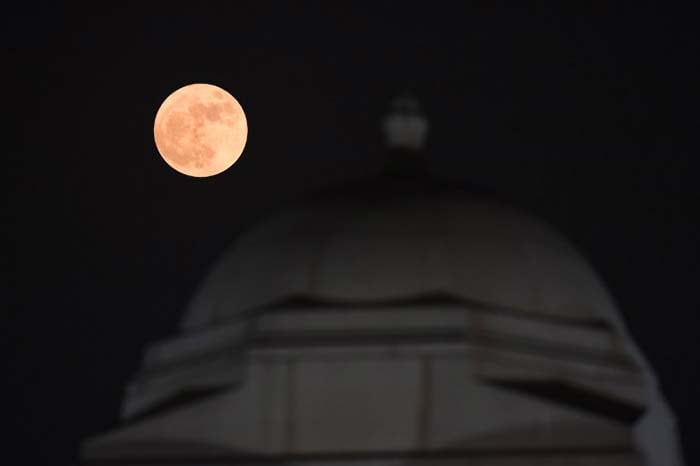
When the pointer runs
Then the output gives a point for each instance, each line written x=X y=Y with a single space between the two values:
x=200 y=130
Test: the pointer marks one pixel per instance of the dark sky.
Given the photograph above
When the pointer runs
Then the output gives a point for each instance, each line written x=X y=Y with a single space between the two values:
x=586 y=117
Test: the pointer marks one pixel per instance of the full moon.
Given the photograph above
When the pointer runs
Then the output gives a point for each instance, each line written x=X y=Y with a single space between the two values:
x=200 y=130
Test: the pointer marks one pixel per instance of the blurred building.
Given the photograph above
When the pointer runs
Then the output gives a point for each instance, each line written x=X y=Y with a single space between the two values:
x=402 y=321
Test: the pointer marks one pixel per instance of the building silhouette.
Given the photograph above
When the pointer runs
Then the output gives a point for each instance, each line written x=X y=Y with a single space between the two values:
x=397 y=320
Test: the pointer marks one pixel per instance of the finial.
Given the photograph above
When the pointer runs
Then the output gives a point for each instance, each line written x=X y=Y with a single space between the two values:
x=405 y=127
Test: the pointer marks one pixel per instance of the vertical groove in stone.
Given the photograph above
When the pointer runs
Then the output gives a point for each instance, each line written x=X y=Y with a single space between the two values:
x=425 y=403
x=291 y=406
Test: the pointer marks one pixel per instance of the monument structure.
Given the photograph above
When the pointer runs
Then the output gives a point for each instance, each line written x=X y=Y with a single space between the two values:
x=398 y=320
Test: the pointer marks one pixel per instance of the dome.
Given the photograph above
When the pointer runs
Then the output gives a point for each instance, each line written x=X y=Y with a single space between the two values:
x=466 y=326
x=398 y=238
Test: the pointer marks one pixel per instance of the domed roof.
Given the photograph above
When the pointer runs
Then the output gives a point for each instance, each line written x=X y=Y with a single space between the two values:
x=399 y=238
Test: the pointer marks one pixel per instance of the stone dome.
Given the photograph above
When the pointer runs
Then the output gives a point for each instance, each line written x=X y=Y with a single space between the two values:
x=401 y=237
x=416 y=361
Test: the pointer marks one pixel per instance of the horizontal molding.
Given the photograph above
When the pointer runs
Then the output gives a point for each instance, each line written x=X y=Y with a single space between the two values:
x=435 y=336
x=329 y=457
x=568 y=394
x=435 y=300
x=411 y=318
x=163 y=352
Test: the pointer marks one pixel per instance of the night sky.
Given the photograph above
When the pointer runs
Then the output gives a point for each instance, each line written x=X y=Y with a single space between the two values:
x=585 y=117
